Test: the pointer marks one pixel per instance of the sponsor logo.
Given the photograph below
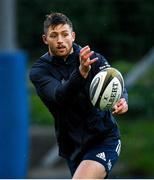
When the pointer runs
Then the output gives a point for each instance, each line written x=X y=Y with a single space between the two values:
x=62 y=81
x=105 y=66
x=101 y=156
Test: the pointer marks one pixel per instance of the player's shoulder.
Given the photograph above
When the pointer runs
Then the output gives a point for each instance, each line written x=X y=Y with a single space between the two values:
x=42 y=61
x=39 y=67
x=101 y=63
x=45 y=58
x=100 y=56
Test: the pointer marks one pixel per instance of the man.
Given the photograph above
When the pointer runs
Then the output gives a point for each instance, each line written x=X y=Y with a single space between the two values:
x=88 y=138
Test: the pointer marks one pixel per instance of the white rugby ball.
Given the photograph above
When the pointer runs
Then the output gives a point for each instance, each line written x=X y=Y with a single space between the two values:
x=106 y=88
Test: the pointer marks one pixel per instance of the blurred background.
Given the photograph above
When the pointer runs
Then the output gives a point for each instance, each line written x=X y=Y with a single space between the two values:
x=120 y=30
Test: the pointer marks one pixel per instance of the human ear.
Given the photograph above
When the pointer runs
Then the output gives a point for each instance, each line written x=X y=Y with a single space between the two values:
x=73 y=36
x=44 y=39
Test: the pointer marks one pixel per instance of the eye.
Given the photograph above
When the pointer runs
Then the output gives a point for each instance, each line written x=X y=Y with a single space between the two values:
x=53 y=35
x=65 y=34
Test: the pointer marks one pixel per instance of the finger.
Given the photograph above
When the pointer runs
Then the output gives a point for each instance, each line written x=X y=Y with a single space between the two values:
x=88 y=62
x=117 y=111
x=118 y=106
x=93 y=60
x=121 y=109
x=86 y=56
x=114 y=112
x=121 y=101
x=84 y=49
x=114 y=109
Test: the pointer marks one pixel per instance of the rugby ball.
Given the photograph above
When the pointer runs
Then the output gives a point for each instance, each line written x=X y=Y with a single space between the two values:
x=106 y=88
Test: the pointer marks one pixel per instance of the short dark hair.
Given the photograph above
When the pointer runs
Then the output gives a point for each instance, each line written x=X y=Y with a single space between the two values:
x=54 y=19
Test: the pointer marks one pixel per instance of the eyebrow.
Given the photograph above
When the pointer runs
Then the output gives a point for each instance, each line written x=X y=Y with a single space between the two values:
x=60 y=32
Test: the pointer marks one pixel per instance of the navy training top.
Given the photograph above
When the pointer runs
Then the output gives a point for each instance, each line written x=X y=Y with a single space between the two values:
x=78 y=124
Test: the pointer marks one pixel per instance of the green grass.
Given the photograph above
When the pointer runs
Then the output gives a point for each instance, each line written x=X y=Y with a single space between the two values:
x=39 y=113
x=137 y=147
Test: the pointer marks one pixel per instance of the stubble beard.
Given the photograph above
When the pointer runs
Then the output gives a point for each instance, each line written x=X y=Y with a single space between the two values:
x=55 y=53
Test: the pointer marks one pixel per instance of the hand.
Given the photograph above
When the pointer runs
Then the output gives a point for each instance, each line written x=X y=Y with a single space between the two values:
x=85 y=62
x=120 y=107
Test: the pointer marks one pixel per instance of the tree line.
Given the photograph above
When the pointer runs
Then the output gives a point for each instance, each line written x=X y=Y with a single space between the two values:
x=116 y=28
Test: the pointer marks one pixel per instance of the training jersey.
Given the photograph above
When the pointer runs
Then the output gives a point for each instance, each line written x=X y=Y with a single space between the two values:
x=78 y=124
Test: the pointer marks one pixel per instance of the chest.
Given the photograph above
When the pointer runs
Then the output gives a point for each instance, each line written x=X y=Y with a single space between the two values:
x=65 y=71
x=61 y=72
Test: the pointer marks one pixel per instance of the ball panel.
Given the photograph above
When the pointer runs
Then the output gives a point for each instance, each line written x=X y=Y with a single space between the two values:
x=115 y=73
x=111 y=94
x=93 y=87
x=96 y=86
x=107 y=80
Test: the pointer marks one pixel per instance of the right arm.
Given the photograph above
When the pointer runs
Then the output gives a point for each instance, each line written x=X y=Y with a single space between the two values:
x=51 y=89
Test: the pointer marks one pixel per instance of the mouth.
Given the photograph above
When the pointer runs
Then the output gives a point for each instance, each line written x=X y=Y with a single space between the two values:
x=61 y=47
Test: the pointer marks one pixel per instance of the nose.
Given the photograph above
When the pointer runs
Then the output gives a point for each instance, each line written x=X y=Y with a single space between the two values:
x=59 y=39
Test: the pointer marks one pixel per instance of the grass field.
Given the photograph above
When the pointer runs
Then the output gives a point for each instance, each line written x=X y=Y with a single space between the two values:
x=137 y=147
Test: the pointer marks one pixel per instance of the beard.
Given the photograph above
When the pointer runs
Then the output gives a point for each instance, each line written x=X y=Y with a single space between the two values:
x=61 y=50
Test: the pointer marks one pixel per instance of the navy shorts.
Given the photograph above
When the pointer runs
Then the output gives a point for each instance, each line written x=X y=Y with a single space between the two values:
x=106 y=153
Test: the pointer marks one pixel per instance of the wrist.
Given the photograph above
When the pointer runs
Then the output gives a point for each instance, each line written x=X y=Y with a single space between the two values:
x=84 y=72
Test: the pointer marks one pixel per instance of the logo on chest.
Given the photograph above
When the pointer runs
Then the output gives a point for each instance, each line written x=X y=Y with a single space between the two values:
x=62 y=81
